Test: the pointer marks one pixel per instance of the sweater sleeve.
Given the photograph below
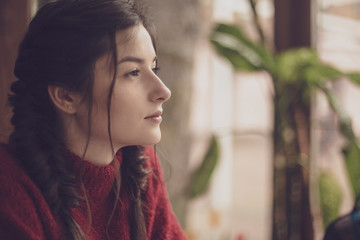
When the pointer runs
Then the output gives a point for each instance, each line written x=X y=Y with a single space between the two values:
x=161 y=220
x=24 y=213
x=18 y=217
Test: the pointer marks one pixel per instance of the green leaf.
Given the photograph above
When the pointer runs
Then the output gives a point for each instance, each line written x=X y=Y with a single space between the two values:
x=352 y=158
x=231 y=37
x=330 y=197
x=291 y=64
x=352 y=150
x=318 y=73
x=354 y=77
x=201 y=177
x=238 y=61
x=344 y=119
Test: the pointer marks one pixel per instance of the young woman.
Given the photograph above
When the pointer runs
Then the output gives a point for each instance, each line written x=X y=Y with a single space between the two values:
x=86 y=103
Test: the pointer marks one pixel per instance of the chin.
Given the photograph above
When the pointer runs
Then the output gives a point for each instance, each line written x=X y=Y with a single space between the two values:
x=153 y=139
x=145 y=140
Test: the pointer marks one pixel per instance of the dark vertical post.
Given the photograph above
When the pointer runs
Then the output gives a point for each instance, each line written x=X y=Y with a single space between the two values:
x=14 y=17
x=292 y=24
x=291 y=214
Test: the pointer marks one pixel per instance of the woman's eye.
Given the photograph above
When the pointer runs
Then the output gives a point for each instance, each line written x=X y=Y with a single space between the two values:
x=156 y=70
x=133 y=73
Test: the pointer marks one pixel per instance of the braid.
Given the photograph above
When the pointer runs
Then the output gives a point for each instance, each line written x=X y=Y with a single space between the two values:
x=134 y=174
x=60 y=48
x=38 y=146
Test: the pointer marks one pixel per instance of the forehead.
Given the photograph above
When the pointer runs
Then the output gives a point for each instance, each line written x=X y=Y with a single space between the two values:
x=136 y=42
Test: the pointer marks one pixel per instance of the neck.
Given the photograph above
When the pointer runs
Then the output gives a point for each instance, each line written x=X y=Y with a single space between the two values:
x=98 y=154
x=94 y=149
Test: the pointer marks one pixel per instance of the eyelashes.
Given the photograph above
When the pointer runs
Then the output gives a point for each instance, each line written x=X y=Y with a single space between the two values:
x=133 y=73
x=156 y=70
x=136 y=72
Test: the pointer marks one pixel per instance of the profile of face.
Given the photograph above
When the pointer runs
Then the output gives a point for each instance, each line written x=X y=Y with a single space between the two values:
x=136 y=103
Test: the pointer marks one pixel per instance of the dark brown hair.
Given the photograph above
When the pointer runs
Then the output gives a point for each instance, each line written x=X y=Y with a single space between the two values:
x=61 y=46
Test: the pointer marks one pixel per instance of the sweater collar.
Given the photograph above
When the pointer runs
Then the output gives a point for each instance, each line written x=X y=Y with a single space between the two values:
x=98 y=180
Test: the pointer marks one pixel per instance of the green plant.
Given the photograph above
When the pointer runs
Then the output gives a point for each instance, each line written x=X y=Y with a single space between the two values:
x=200 y=179
x=330 y=197
x=296 y=75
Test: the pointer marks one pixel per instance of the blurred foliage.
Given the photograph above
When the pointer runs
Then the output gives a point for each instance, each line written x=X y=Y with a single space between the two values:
x=296 y=71
x=352 y=156
x=243 y=54
x=330 y=197
x=351 y=149
x=200 y=179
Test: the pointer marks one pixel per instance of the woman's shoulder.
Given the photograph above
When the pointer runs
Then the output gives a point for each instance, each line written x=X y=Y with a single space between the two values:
x=23 y=210
x=13 y=179
x=7 y=160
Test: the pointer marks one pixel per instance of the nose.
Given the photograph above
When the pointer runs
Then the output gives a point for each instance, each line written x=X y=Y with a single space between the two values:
x=160 y=93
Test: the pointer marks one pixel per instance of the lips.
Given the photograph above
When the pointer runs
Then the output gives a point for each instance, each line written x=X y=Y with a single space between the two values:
x=156 y=116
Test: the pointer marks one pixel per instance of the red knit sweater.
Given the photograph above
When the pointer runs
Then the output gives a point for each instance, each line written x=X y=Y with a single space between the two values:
x=24 y=214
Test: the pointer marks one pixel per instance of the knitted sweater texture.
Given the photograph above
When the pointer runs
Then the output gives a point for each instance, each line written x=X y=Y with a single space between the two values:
x=24 y=213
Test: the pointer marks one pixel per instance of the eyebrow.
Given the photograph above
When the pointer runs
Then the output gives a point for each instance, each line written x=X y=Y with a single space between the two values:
x=134 y=59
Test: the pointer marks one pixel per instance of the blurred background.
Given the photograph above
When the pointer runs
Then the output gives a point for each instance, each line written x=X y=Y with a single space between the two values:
x=259 y=147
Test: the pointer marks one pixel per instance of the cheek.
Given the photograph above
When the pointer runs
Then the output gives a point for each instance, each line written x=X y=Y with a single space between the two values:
x=99 y=109
x=127 y=102
x=123 y=112
x=127 y=112
x=99 y=115
x=128 y=107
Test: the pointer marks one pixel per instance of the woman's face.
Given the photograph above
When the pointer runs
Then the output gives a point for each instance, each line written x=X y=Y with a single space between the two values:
x=137 y=98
